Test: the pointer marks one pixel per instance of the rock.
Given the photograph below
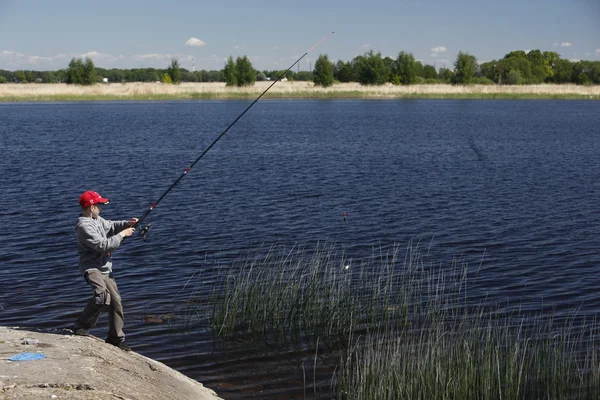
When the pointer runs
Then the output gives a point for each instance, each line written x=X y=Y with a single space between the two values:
x=86 y=368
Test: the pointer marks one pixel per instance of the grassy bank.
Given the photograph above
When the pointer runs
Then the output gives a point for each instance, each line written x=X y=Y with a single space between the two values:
x=404 y=329
x=285 y=90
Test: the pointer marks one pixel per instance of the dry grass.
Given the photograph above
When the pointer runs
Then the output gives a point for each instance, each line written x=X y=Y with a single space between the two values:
x=218 y=90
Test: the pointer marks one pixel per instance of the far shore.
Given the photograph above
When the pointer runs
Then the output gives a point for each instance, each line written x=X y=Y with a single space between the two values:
x=286 y=90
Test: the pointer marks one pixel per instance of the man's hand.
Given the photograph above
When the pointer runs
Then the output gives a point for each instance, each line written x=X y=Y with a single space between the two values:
x=127 y=232
x=132 y=221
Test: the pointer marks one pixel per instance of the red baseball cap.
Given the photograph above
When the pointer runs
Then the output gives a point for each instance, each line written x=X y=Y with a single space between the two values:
x=90 y=197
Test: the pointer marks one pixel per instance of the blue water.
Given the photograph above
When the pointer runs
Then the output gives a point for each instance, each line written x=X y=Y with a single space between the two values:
x=509 y=187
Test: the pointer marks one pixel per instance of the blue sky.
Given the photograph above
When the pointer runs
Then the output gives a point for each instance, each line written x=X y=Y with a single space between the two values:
x=45 y=35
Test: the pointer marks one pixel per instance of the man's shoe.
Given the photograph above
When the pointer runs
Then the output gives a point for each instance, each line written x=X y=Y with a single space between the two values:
x=81 y=332
x=120 y=345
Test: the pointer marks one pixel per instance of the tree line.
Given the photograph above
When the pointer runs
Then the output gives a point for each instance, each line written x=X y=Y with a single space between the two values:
x=371 y=68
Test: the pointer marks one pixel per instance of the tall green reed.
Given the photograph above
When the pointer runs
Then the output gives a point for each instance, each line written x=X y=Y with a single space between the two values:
x=403 y=328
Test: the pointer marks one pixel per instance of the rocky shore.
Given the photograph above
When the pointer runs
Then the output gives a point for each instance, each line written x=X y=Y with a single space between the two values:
x=78 y=367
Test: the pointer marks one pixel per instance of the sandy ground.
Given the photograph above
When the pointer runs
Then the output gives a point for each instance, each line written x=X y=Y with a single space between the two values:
x=139 y=89
x=84 y=368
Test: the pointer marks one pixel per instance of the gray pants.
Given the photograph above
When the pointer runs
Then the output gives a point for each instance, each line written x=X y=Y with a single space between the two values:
x=106 y=296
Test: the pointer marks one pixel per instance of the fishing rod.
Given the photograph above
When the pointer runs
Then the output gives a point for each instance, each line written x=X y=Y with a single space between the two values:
x=145 y=230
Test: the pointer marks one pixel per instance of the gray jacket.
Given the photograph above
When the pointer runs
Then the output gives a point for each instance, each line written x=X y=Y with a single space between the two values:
x=96 y=240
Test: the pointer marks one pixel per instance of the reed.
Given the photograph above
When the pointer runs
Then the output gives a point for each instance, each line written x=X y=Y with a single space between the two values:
x=403 y=328
x=217 y=90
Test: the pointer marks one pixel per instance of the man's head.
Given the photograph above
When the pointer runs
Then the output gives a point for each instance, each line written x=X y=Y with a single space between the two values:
x=91 y=203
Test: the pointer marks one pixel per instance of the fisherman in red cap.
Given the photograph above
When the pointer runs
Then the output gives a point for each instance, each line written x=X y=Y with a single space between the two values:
x=97 y=238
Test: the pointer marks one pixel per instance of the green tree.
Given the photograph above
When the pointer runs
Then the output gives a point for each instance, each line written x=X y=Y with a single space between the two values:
x=516 y=54
x=519 y=64
x=406 y=68
x=230 y=73
x=445 y=74
x=89 y=73
x=323 y=73
x=371 y=69
x=536 y=58
x=344 y=72
x=419 y=69
x=551 y=58
x=563 y=71
x=465 y=68
x=49 y=77
x=2 y=79
x=594 y=72
x=174 y=71
x=75 y=72
x=306 y=75
x=246 y=75
x=20 y=75
x=429 y=72
x=513 y=77
x=29 y=76
x=390 y=64
x=489 y=70
x=80 y=72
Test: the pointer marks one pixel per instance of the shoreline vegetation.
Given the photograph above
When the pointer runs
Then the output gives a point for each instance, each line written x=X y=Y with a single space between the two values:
x=139 y=91
x=402 y=326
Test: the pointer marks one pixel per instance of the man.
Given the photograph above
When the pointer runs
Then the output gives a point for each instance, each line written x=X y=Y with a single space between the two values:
x=97 y=238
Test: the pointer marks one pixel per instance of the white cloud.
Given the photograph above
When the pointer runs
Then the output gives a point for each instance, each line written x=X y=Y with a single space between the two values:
x=101 y=59
x=439 y=49
x=597 y=51
x=152 y=57
x=195 y=42
x=365 y=46
x=91 y=54
x=574 y=60
x=8 y=53
x=237 y=46
x=563 y=44
x=38 y=59
x=11 y=60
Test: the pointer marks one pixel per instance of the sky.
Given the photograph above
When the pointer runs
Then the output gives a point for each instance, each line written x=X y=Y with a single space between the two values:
x=45 y=35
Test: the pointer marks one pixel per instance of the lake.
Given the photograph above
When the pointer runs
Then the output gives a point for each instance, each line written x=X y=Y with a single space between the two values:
x=508 y=187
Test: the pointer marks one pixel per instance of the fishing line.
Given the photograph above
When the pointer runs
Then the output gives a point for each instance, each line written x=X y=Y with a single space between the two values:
x=145 y=230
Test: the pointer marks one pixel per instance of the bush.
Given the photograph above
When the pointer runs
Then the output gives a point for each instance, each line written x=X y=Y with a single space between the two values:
x=419 y=80
x=166 y=78
x=2 y=79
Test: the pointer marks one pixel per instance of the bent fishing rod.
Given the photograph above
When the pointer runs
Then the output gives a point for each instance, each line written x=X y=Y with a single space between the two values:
x=145 y=230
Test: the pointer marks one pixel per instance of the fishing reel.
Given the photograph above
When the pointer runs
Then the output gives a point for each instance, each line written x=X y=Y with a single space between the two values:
x=144 y=231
